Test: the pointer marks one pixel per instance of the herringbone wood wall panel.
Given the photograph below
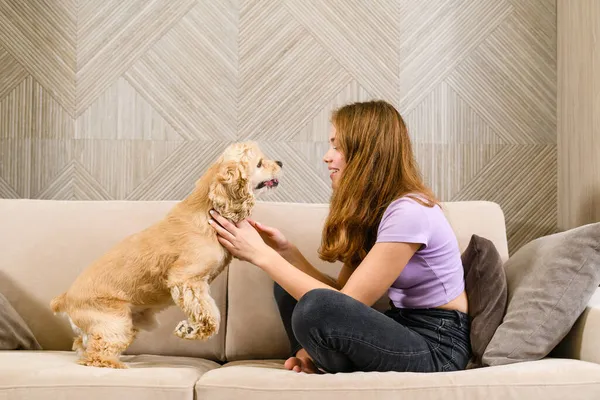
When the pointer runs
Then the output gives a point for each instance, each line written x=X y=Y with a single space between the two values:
x=578 y=112
x=134 y=99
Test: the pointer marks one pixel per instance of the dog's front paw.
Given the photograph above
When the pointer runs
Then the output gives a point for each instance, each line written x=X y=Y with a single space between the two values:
x=185 y=330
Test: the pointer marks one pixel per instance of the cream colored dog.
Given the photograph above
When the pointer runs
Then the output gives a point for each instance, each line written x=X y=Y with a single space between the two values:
x=171 y=262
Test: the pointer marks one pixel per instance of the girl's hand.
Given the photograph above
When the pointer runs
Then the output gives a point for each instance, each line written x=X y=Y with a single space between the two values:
x=241 y=239
x=272 y=237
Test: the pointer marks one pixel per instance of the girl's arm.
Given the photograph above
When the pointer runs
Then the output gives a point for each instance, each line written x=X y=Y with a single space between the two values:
x=295 y=257
x=377 y=272
x=367 y=283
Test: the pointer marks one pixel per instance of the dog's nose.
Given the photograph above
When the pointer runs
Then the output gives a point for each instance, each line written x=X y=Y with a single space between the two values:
x=279 y=163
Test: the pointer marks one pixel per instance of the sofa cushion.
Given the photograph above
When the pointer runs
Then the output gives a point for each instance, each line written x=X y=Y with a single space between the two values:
x=549 y=379
x=14 y=332
x=550 y=282
x=46 y=244
x=254 y=328
x=42 y=375
x=485 y=284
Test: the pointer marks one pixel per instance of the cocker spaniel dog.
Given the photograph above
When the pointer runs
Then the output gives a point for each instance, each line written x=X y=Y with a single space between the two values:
x=171 y=262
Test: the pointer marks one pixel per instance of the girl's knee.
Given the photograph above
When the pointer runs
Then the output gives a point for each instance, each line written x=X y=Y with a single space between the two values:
x=316 y=306
x=321 y=299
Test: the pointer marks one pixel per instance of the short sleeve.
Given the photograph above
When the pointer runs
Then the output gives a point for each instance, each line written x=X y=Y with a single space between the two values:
x=404 y=221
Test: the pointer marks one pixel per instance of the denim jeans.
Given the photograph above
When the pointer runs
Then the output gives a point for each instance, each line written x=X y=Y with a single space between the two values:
x=342 y=334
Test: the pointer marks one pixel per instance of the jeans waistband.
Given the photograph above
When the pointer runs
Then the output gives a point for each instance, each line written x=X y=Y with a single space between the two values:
x=460 y=317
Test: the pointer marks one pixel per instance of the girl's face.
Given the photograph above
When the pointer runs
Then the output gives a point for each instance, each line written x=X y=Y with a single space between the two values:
x=335 y=160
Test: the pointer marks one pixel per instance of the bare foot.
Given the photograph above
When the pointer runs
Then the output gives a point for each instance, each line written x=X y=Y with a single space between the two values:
x=301 y=363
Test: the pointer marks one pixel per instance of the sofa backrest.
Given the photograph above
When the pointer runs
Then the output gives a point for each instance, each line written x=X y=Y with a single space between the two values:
x=254 y=328
x=46 y=244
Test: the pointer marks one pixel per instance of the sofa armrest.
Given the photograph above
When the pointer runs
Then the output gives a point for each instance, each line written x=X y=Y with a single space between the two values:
x=583 y=341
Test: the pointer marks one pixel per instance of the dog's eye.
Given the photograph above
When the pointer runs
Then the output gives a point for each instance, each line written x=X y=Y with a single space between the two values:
x=259 y=163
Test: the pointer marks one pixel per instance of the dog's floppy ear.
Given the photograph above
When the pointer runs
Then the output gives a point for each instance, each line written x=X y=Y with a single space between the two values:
x=232 y=173
x=230 y=190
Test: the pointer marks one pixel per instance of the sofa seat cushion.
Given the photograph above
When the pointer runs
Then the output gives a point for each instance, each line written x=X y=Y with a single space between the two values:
x=546 y=379
x=46 y=375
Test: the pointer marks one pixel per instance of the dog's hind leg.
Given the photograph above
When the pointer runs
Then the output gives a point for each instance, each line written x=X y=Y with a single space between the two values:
x=203 y=315
x=109 y=332
x=104 y=350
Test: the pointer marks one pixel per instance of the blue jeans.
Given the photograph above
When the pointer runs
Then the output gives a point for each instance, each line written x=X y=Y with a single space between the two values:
x=342 y=334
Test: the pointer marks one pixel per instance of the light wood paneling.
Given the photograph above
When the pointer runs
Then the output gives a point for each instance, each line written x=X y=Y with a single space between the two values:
x=134 y=99
x=578 y=112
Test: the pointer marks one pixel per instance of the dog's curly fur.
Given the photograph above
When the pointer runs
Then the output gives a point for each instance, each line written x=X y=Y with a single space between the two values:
x=171 y=262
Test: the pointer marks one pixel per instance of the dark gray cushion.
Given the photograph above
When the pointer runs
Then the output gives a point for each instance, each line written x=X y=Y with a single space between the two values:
x=485 y=284
x=550 y=281
x=14 y=332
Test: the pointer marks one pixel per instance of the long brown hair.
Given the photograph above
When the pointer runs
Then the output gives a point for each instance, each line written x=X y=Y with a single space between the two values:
x=380 y=168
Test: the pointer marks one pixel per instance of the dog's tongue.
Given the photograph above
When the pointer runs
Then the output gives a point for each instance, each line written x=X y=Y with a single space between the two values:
x=271 y=183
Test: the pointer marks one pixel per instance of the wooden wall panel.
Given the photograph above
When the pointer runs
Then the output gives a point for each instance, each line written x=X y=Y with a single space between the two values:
x=133 y=100
x=578 y=112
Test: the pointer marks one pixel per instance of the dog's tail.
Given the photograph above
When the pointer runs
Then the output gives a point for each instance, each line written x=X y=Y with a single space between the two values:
x=57 y=304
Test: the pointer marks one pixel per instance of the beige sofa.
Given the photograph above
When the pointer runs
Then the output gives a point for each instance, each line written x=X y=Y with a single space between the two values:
x=45 y=244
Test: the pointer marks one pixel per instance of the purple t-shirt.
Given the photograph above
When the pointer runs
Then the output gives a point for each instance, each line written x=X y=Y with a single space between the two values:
x=434 y=275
